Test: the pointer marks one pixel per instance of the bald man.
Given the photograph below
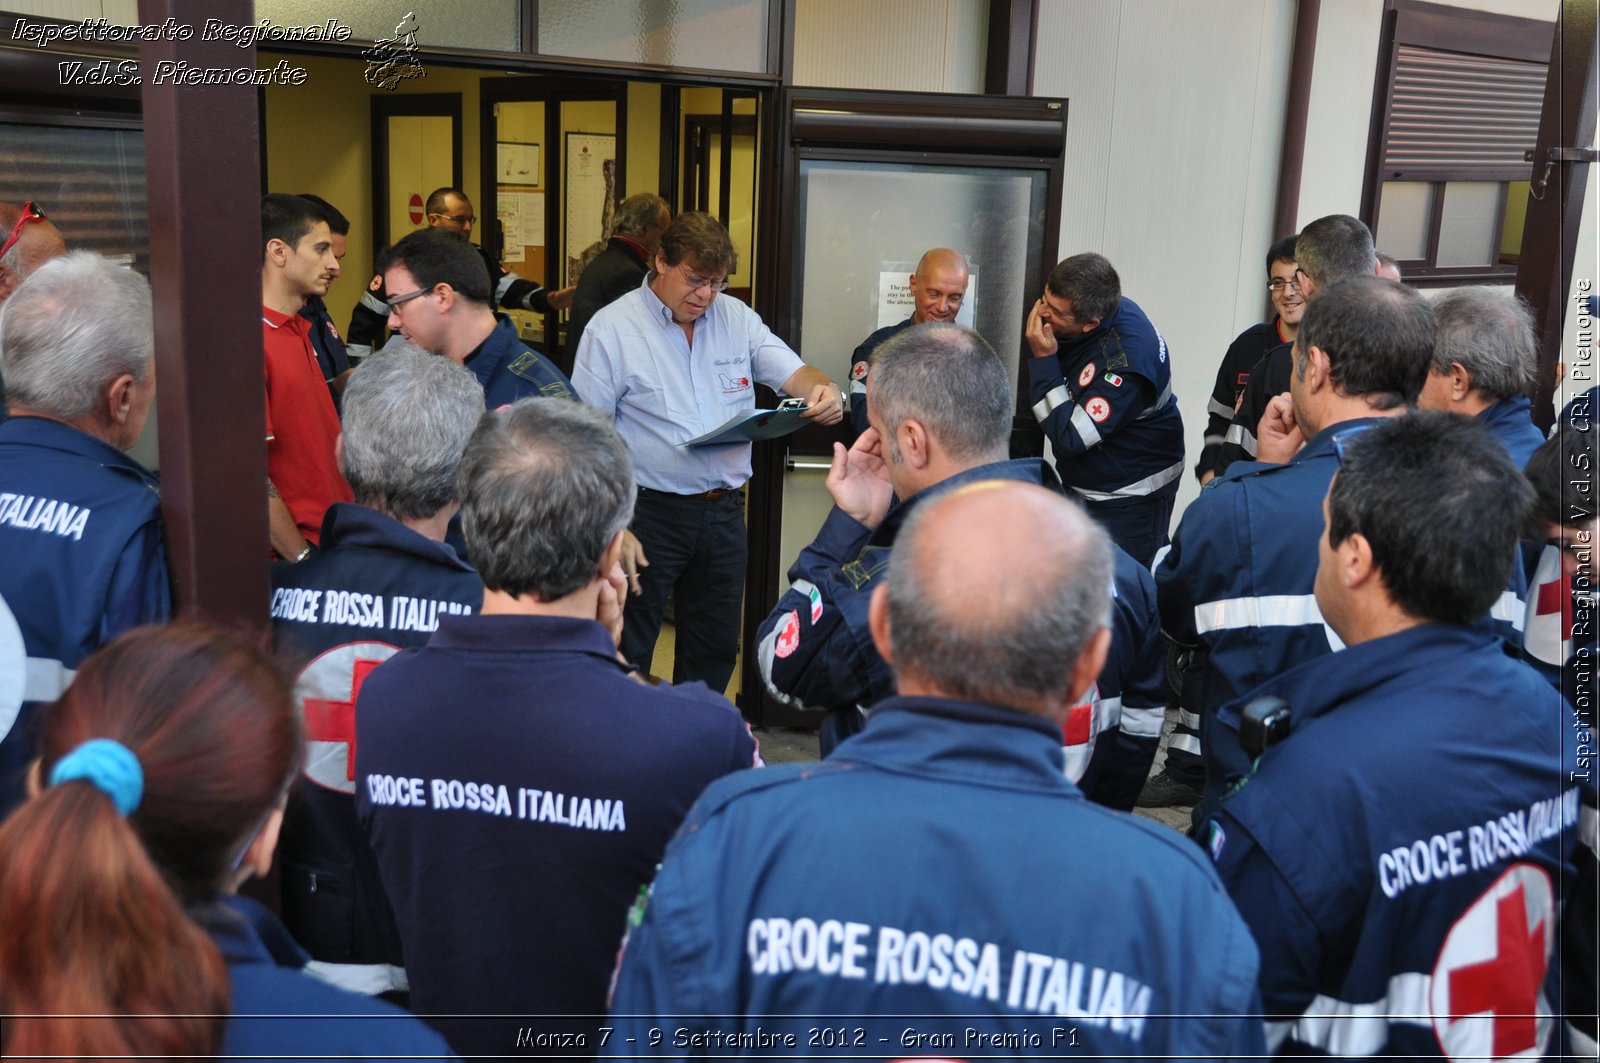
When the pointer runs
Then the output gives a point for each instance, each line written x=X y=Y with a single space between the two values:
x=938 y=288
x=30 y=240
x=939 y=876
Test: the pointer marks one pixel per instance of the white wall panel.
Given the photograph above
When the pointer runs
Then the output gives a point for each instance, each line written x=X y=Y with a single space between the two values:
x=1337 y=120
x=1174 y=132
x=900 y=45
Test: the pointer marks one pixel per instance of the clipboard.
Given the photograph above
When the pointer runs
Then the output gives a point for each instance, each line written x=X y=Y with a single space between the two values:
x=755 y=425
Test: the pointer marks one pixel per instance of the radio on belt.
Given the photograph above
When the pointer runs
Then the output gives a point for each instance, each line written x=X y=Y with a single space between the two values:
x=1263 y=724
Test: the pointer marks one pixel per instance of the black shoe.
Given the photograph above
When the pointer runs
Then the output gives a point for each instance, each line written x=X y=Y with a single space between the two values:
x=1161 y=790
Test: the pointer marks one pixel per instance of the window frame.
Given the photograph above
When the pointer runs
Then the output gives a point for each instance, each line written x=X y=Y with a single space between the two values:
x=1441 y=28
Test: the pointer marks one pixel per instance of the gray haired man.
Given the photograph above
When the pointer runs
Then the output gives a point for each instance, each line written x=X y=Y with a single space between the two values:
x=380 y=584
x=1485 y=360
x=80 y=521
x=621 y=267
x=548 y=778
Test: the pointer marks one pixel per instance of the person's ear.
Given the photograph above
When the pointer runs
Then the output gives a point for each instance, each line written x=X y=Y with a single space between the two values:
x=118 y=399
x=1460 y=381
x=1316 y=368
x=878 y=622
x=914 y=443
x=1354 y=558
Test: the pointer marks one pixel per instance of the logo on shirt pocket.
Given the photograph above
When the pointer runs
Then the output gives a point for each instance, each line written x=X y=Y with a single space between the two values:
x=732 y=385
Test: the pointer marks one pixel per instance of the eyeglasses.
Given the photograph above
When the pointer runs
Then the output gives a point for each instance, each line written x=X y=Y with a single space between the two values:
x=697 y=282
x=394 y=304
x=1278 y=284
x=459 y=219
x=29 y=213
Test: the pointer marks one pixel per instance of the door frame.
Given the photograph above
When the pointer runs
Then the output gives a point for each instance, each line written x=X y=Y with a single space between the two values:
x=424 y=104
x=1026 y=133
x=552 y=91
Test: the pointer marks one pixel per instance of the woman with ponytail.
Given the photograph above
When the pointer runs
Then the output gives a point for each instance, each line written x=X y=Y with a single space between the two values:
x=158 y=790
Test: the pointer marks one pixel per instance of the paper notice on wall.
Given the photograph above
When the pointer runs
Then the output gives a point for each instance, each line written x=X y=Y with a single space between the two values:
x=517 y=164
x=895 y=302
x=522 y=215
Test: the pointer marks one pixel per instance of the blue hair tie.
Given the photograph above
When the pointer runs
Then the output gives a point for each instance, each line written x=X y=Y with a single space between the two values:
x=110 y=766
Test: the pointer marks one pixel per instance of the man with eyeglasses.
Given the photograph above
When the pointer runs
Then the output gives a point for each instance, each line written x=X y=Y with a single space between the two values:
x=30 y=241
x=671 y=361
x=441 y=303
x=1101 y=386
x=1327 y=251
x=1237 y=583
x=450 y=209
x=1251 y=345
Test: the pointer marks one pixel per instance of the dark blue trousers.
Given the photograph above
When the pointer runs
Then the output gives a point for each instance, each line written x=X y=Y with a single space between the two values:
x=697 y=550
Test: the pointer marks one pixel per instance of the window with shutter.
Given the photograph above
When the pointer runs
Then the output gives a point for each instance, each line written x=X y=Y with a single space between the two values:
x=1457 y=106
x=89 y=181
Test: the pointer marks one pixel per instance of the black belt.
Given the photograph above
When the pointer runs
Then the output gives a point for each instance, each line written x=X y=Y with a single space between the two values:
x=716 y=494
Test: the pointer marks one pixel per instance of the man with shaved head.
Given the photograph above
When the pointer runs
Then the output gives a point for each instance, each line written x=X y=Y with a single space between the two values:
x=29 y=241
x=938 y=288
x=939 y=876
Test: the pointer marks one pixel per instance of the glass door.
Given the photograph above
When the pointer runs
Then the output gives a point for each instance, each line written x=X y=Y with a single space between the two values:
x=870 y=181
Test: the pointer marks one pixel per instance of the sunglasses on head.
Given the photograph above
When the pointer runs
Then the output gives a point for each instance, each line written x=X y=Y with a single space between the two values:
x=29 y=213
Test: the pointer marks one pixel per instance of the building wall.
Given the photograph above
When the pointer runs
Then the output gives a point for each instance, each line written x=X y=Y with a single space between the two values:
x=902 y=45
x=1338 y=128
x=1174 y=132
x=1174 y=141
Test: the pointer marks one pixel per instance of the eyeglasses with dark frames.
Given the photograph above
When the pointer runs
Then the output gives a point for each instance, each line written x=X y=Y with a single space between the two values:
x=394 y=304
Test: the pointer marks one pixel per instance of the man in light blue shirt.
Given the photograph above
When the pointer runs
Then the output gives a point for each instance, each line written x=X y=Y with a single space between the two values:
x=669 y=362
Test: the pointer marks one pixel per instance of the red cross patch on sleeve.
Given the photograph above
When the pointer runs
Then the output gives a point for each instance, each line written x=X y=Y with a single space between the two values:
x=788 y=636
x=1098 y=409
x=1086 y=376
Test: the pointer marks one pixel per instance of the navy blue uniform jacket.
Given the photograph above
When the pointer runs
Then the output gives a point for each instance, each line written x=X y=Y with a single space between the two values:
x=815 y=650
x=519 y=788
x=510 y=370
x=1239 y=581
x=1403 y=856
x=1105 y=402
x=375 y=588
x=279 y=1011
x=938 y=865
x=81 y=561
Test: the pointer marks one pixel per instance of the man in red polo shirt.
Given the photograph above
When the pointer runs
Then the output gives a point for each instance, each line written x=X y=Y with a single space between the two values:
x=303 y=477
